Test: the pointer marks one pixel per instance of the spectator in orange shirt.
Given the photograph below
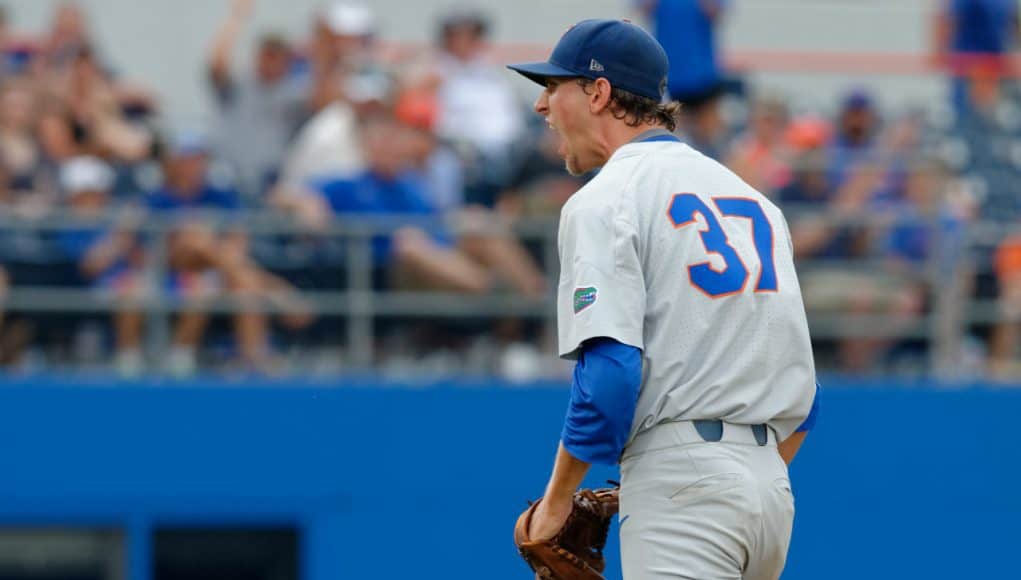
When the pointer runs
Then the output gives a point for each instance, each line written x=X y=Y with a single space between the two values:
x=1003 y=357
x=761 y=156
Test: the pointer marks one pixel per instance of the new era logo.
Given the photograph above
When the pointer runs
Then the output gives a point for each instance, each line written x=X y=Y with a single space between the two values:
x=595 y=65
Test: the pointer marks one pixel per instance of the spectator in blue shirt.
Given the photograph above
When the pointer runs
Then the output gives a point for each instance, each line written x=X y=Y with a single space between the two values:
x=483 y=235
x=108 y=256
x=205 y=261
x=922 y=245
x=975 y=34
x=421 y=247
x=392 y=190
x=923 y=225
x=823 y=216
x=687 y=31
x=187 y=187
x=829 y=236
x=855 y=139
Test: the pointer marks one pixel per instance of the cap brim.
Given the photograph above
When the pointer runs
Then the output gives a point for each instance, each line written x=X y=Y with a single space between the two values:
x=538 y=72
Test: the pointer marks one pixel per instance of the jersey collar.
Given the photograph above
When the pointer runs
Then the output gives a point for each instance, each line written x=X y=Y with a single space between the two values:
x=650 y=136
x=655 y=135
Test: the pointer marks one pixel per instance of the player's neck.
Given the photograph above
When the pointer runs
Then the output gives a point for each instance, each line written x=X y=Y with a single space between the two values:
x=618 y=134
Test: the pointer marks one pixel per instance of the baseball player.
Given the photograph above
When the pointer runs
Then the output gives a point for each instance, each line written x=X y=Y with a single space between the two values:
x=679 y=301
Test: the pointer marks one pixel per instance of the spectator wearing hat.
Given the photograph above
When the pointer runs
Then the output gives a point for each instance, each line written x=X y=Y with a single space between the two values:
x=865 y=150
x=187 y=185
x=855 y=139
x=389 y=188
x=345 y=60
x=419 y=255
x=347 y=82
x=858 y=122
x=260 y=114
x=108 y=256
x=483 y=234
x=347 y=28
x=205 y=262
x=417 y=110
x=478 y=110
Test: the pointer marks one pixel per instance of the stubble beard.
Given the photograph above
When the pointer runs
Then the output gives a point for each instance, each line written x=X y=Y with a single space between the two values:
x=573 y=165
x=576 y=165
x=570 y=167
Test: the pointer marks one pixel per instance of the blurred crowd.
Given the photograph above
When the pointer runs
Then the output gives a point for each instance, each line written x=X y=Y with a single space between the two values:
x=323 y=126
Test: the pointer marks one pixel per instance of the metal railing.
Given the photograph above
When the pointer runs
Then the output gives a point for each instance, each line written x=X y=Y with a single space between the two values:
x=359 y=303
x=942 y=326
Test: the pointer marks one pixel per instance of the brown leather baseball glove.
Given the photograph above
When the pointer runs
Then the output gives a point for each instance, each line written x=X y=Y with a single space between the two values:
x=576 y=552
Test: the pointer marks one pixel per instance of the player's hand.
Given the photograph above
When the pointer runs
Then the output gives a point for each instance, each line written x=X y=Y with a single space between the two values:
x=550 y=517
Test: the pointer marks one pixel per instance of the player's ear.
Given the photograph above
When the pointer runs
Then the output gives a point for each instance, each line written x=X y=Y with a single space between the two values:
x=599 y=98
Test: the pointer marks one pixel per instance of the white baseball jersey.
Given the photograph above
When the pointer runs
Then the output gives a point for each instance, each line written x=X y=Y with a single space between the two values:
x=669 y=251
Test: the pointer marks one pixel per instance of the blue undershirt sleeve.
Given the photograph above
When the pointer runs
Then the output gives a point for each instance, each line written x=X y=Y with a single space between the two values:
x=809 y=422
x=604 y=394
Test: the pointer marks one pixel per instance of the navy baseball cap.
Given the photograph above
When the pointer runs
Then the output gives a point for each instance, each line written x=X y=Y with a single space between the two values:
x=858 y=100
x=617 y=50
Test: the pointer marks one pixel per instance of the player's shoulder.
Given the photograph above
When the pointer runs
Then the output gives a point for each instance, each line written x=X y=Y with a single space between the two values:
x=622 y=170
x=694 y=171
x=654 y=164
x=600 y=195
x=651 y=151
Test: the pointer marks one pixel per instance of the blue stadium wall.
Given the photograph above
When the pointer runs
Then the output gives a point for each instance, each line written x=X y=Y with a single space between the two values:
x=389 y=481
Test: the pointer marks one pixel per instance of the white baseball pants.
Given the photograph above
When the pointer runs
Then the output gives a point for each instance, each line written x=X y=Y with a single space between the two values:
x=698 y=510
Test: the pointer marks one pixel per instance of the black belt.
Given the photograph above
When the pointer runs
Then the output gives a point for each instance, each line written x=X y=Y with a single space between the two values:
x=711 y=430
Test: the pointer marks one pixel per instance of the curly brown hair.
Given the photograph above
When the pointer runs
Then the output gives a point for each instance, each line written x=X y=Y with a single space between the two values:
x=636 y=109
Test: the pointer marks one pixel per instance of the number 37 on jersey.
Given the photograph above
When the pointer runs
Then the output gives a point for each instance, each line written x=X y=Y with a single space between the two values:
x=733 y=277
